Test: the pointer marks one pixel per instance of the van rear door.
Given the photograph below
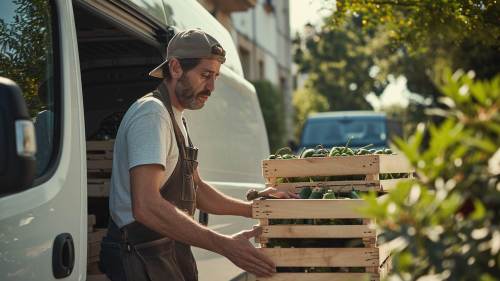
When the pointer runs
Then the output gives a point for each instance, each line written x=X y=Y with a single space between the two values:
x=43 y=228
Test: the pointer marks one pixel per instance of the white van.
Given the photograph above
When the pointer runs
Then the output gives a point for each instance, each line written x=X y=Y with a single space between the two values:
x=79 y=65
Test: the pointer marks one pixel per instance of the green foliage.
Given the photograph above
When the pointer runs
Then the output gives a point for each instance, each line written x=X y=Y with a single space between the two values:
x=273 y=110
x=25 y=47
x=418 y=39
x=446 y=222
x=427 y=36
x=338 y=62
x=422 y=24
x=306 y=101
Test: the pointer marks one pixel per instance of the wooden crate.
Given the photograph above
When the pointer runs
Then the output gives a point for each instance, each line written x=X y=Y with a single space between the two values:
x=91 y=220
x=368 y=167
x=99 y=166
x=94 y=239
x=98 y=187
x=100 y=156
x=368 y=256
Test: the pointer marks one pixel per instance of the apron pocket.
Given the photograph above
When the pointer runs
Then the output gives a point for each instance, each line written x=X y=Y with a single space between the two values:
x=158 y=260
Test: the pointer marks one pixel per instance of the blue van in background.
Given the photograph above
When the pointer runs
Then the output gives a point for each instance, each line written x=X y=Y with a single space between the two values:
x=335 y=128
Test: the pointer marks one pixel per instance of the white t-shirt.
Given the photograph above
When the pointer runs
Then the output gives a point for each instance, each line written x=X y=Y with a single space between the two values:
x=145 y=136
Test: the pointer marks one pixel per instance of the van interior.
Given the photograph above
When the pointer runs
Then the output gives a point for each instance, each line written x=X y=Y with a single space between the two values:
x=114 y=72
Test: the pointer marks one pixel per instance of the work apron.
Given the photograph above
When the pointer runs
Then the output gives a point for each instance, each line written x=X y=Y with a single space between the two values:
x=136 y=252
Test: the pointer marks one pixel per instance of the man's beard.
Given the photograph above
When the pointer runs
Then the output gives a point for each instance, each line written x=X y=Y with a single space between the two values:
x=186 y=95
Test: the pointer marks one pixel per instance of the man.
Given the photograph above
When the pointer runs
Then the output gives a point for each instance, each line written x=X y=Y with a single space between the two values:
x=155 y=185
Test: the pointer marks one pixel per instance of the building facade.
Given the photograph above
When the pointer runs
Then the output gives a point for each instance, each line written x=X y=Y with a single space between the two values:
x=261 y=30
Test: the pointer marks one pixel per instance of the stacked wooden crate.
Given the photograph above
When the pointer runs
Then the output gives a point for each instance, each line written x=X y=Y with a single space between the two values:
x=337 y=222
x=94 y=237
x=99 y=165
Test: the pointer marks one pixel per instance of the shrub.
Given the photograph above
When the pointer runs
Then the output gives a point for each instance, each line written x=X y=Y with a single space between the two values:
x=306 y=101
x=273 y=111
x=447 y=220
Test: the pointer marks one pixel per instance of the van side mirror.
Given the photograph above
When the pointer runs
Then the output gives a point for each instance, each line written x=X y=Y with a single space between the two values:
x=17 y=140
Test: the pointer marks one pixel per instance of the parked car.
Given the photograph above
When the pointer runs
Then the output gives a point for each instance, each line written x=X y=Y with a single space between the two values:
x=335 y=128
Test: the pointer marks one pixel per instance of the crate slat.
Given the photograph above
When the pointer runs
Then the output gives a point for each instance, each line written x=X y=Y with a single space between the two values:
x=98 y=187
x=317 y=231
x=91 y=220
x=320 y=277
x=106 y=164
x=100 y=145
x=100 y=156
x=387 y=248
x=321 y=166
x=308 y=208
x=336 y=166
x=323 y=257
x=385 y=268
x=337 y=186
x=387 y=185
x=396 y=163
x=93 y=249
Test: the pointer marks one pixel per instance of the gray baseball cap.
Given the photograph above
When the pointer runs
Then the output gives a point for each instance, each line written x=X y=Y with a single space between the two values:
x=191 y=44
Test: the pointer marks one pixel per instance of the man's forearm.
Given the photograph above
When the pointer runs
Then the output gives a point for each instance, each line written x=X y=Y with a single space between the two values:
x=165 y=218
x=213 y=201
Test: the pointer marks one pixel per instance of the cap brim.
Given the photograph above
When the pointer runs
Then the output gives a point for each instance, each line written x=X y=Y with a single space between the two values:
x=158 y=71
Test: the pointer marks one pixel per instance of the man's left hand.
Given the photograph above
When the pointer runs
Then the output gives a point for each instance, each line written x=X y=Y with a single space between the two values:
x=272 y=193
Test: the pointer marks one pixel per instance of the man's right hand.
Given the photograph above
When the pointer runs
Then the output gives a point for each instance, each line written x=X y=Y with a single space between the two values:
x=243 y=254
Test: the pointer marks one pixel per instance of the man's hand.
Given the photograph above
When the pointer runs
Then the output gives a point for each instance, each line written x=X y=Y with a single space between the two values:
x=275 y=193
x=244 y=255
x=272 y=193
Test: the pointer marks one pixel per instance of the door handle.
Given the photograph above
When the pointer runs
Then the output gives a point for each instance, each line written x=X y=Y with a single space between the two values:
x=63 y=255
x=203 y=218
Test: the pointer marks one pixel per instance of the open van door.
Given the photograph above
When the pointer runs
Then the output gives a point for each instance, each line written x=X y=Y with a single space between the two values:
x=43 y=216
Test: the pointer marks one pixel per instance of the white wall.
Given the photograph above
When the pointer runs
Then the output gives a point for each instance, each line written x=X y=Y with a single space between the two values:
x=269 y=31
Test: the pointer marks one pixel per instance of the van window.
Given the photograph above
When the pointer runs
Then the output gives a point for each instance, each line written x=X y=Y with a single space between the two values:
x=336 y=132
x=27 y=57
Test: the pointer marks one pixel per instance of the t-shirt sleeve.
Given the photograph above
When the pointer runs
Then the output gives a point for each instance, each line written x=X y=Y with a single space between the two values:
x=147 y=140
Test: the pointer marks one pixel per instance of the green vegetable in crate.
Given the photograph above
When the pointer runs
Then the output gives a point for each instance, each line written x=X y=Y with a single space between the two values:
x=307 y=153
x=335 y=151
x=283 y=153
x=354 y=194
x=317 y=193
x=299 y=179
x=281 y=180
x=387 y=151
x=342 y=151
x=366 y=146
x=305 y=192
x=348 y=151
x=329 y=195
x=363 y=150
x=320 y=151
